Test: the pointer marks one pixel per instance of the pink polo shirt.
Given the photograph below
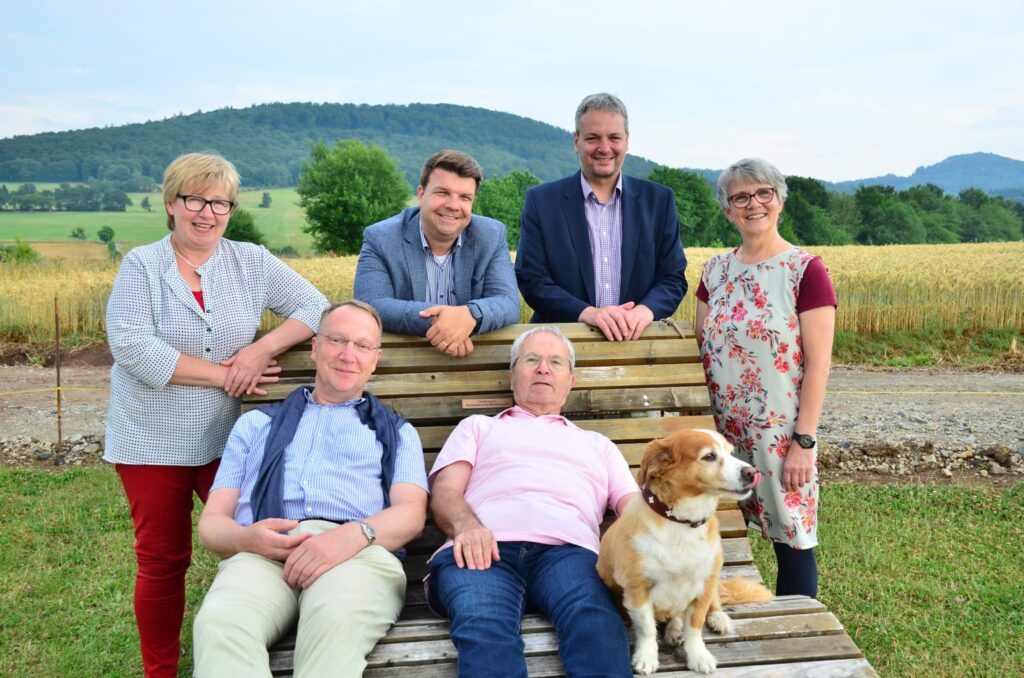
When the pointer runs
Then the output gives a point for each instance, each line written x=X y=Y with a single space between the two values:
x=540 y=479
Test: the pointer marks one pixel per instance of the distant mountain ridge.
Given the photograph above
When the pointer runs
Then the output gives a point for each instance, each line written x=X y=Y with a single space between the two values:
x=269 y=142
x=994 y=174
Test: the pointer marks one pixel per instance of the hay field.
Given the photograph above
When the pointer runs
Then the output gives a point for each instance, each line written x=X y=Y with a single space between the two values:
x=896 y=287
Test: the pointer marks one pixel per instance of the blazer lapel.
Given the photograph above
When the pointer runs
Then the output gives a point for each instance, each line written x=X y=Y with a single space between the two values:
x=413 y=249
x=465 y=256
x=579 y=233
x=632 y=231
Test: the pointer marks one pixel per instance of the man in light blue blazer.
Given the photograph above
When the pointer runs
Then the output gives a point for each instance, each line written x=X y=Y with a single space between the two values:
x=438 y=270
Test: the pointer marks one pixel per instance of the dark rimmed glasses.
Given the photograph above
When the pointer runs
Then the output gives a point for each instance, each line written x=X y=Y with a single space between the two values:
x=196 y=203
x=762 y=195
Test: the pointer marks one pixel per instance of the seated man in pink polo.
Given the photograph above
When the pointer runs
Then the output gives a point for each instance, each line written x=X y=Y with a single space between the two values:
x=521 y=496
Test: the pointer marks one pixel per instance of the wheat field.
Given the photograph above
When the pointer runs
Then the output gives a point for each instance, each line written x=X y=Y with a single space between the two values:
x=880 y=289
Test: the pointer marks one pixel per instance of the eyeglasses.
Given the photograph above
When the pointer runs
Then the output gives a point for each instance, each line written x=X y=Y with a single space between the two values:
x=195 y=203
x=361 y=347
x=556 y=363
x=761 y=195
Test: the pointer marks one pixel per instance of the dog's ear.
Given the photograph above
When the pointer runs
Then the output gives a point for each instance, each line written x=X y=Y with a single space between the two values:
x=657 y=457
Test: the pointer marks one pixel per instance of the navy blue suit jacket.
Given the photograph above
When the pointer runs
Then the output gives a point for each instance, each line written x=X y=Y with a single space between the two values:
x=554 y=267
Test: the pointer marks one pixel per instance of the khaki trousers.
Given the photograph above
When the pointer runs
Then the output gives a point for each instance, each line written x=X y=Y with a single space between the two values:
x=340 y=617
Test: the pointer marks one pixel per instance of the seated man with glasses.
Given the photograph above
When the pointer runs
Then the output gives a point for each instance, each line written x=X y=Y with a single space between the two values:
x=438 y=270
x=521 y=496
x=313 y=498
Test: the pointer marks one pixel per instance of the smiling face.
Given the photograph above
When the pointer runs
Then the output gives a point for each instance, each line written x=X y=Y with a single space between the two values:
x=198 y=231
x=601 y=143
x=446 y=207
x=342 y=372
x=541 y=378
x=755 y=218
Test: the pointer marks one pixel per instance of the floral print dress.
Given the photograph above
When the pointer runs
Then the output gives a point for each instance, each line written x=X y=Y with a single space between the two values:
x=754 y=365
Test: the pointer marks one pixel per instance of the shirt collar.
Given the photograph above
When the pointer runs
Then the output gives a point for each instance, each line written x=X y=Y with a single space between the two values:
x=588 y=191
x=426 y=245
x=515 y=411
x=348 y=403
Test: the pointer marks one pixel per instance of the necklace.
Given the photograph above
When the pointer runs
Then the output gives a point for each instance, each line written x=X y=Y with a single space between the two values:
x=175 y=249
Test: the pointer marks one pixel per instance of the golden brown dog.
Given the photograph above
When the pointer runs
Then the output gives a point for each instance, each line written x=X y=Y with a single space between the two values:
x=662 y=557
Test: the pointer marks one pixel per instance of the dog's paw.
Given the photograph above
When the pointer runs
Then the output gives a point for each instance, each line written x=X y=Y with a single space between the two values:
x=701 y=661
x=697 y=656
x=674 y=632
x=719 y=622
x=645 y=658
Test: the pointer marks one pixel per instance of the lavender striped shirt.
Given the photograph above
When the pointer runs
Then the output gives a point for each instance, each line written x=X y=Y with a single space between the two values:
x=440 y=273
x=604 y=222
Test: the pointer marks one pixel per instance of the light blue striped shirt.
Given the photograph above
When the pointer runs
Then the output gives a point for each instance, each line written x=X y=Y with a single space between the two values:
x=332 y=466
x=440 y=273
x=604 y=223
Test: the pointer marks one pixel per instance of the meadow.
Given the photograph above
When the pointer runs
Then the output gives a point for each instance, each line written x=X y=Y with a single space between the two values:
x=927 y=303
x=920 y=594
x=281 y=222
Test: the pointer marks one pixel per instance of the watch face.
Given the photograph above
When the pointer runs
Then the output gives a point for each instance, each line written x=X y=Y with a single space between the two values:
x=803 y=440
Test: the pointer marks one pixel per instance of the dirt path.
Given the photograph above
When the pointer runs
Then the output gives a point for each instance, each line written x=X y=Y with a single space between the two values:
x=877 y=423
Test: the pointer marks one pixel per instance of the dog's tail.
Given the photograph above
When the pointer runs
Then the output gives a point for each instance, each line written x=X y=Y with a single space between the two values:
x=739 y=590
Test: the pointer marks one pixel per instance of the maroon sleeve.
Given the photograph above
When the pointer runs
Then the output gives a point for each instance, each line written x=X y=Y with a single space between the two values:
x=816 y=288
x=702 y=291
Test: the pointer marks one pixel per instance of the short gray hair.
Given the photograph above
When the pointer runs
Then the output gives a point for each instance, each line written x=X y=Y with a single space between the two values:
x=602 y=101
x=355 y=303
x=517 y=345
x=752 y=170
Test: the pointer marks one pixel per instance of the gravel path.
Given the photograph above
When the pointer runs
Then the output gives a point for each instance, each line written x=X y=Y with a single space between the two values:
x=911 y=422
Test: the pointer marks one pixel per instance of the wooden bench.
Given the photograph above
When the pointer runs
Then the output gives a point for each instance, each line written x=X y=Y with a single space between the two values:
x=629 y=391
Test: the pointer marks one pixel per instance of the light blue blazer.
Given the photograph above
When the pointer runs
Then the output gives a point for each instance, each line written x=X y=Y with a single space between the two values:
x=392 y=275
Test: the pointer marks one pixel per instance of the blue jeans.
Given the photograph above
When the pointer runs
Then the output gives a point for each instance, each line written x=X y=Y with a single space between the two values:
x=486 y=608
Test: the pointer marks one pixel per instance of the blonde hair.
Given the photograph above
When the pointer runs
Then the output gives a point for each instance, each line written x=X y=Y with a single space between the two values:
x=195 y=171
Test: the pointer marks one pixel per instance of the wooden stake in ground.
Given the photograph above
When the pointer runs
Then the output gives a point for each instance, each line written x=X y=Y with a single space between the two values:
x=59 y=456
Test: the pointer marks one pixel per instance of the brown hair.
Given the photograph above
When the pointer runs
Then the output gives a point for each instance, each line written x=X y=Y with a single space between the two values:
x=454 y=161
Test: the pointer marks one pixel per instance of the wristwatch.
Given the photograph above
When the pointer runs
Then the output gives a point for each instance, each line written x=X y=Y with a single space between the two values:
x=368 y=532
x=805 y=441
x=478 y=316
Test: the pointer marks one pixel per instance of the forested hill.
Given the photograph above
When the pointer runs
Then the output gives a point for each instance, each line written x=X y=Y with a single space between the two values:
x=994 y=174
x=268 y=142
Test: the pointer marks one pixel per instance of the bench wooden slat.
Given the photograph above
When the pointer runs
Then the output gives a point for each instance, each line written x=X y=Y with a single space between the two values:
x=497 y=381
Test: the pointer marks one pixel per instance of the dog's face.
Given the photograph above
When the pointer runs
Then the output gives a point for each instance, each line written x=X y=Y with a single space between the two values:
x=693 y=462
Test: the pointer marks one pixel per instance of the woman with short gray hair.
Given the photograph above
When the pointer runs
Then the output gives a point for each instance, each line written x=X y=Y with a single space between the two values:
x=765 y=321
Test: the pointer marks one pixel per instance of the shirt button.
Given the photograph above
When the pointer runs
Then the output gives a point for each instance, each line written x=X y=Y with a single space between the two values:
x=606 y=287
x=207 y=350
x=309 y=509
x=210 y=329
x=606 y=260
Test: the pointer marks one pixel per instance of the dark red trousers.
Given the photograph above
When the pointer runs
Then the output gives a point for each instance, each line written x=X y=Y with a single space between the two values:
x=160 y=499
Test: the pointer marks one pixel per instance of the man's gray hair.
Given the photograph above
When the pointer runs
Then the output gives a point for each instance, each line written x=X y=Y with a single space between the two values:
x=517 y=345
x=753 y=171
x=602 y=101
x=355 y=303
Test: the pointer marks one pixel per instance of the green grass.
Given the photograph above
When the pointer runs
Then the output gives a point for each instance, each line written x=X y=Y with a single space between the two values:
x=281 y=222
x=928 y=347
x=926 y=579
x=67 y=564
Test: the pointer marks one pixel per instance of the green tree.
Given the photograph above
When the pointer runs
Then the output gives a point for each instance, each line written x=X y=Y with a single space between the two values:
x=5 y=195
x=105 y=234
x=242 y=227
x=807 y=213
x=502 y=198
x=345 y=189
x=77 y=233
x=145 y=204
x=265 y=203
x=701 y=222
x=884 y=219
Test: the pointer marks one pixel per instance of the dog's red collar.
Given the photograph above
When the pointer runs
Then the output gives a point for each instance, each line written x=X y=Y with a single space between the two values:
x=664 y=510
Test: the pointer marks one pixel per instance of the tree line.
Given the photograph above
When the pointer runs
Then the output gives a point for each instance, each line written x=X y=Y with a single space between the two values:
x=346 y=188
x=97 y=197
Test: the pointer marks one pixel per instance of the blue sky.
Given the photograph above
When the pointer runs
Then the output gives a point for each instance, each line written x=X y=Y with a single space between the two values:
x=835 y=90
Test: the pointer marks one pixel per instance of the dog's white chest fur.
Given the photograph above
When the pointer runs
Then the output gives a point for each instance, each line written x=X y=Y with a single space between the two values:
x=678 y=560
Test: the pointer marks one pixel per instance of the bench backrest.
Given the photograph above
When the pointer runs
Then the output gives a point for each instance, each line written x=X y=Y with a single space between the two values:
x=632 y=392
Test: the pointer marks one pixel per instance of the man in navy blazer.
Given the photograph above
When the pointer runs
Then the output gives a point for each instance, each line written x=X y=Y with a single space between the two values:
x=600 y=247
x=438 y=270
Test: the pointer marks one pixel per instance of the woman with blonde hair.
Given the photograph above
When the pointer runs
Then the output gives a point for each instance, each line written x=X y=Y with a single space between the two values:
x=181 y=321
